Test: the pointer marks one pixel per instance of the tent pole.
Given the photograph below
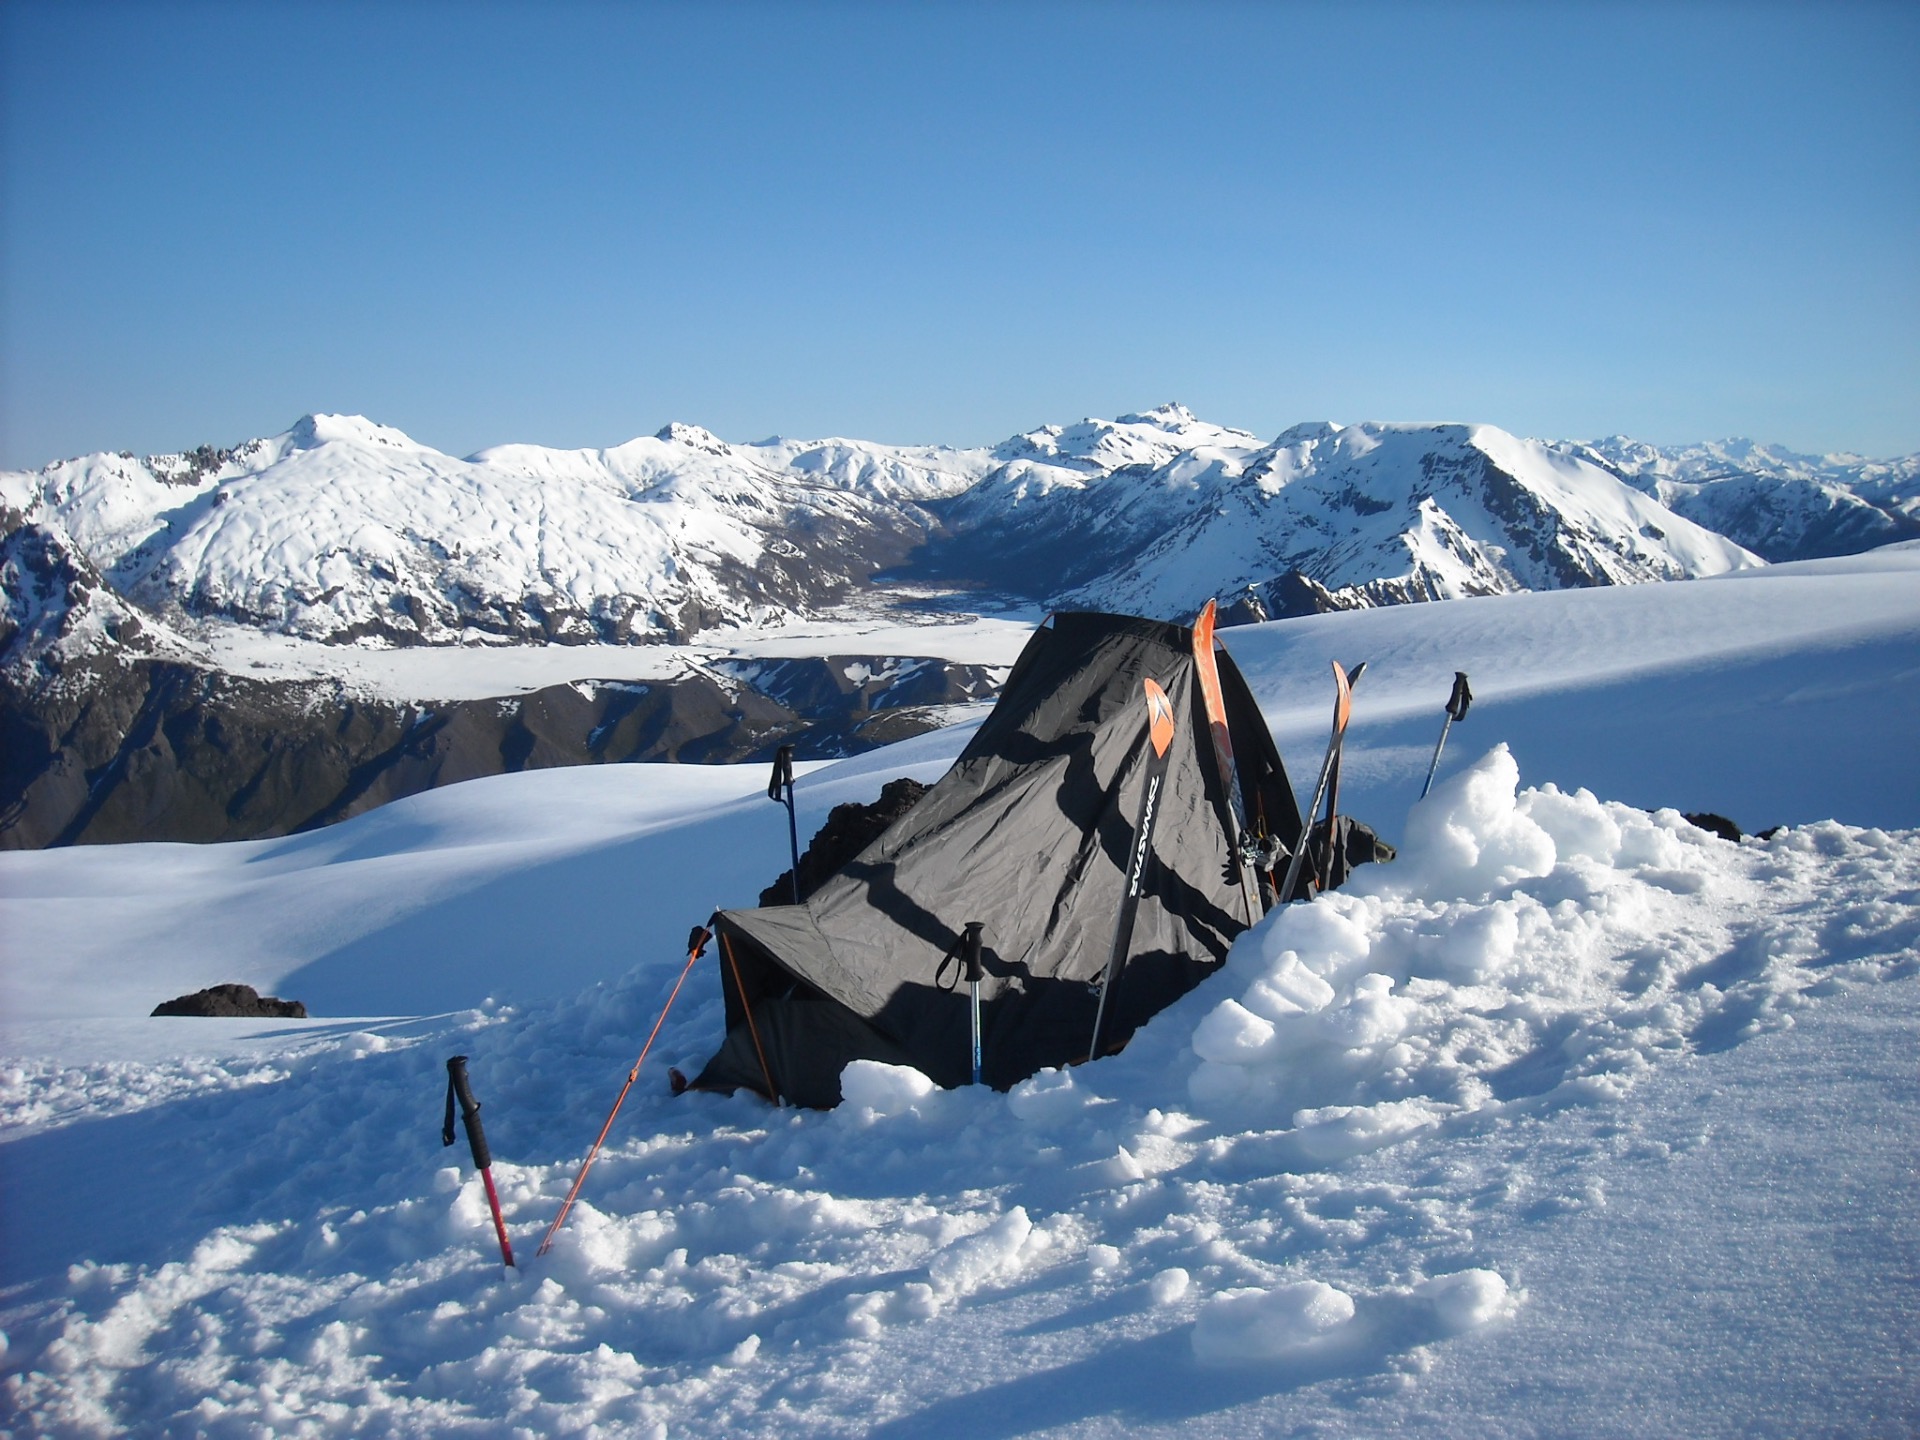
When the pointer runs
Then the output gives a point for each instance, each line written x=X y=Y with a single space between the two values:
x=696 y=946
x=726 y=944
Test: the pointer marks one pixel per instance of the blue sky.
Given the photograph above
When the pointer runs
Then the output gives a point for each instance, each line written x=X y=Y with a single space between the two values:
x=569 y=224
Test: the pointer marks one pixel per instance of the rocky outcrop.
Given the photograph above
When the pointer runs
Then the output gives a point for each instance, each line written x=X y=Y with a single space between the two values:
x=233 y=1002
x=850 y=828
x=114 y=749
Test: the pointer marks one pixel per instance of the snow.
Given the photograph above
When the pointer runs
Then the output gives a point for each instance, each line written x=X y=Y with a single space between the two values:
x=343 y=528
x=1747 y=694
x=481 y=671
x=343 y=538
x=1399 y=504
x=1574 y=1119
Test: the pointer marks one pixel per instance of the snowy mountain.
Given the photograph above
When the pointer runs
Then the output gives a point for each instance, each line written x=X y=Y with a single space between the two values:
x=345 y=531
x=190 y=642
x=1573 y=1120
x=1324 y=517
x=1780 y=505
x=342 y=530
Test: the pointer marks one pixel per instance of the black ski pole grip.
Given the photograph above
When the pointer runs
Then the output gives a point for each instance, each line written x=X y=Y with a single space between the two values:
x=1461 y=698
x=782 y=772
x=458 y=1087
x=970 y=952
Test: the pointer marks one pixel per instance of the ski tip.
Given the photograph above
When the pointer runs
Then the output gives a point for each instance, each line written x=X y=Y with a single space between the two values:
x=1343 y=698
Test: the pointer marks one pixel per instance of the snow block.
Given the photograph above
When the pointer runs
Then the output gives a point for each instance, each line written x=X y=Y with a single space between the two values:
x=1238 y=1327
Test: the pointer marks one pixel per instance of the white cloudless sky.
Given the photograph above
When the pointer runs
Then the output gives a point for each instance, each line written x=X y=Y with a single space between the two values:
x=571 y=223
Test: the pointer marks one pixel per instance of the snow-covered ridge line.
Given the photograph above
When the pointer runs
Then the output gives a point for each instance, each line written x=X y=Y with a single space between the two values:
x=345 y=531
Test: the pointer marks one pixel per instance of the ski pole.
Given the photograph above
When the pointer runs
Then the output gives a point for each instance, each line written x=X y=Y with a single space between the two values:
x=970 y=953
x=1342 y=712
x=1457 y=704
x=780 y=788
x=964 y=955
x=1324 y=873
x=696 y=946
x=459 y=1089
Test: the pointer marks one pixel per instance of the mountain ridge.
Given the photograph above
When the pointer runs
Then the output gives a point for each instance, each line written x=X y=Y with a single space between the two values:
x=171 y=624
x=347 y=531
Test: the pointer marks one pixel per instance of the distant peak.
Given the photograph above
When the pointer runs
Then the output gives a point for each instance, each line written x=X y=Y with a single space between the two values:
x=312 y=431
x=1308 y=431
x=1170 y=416
x=693 y=437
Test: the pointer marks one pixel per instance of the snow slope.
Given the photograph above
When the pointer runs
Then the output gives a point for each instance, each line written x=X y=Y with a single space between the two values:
x=1774 y=696
x=1573 y=1120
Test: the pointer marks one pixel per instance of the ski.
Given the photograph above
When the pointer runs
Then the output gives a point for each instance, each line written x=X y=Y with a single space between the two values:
x=1324 y=873
x=1342 y=711
x=1160 y=725
x=1208 y=669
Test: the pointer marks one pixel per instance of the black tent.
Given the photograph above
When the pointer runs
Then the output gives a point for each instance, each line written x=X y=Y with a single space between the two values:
x=1030 y=833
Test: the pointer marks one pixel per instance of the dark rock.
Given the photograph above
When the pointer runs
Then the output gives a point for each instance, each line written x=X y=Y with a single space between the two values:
x=233 y=1000
x=120 y=748
x=849 y=829
x=1714 y=824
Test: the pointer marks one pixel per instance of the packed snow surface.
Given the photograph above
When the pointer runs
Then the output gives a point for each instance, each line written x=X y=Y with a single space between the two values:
x=1571 y=1102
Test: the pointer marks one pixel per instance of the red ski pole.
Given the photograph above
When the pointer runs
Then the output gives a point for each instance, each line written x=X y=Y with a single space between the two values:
x=458 y=1088
x=696 y=946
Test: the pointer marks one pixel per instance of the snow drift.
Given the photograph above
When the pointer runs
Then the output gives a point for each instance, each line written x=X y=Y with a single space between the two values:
x=1541 y=1114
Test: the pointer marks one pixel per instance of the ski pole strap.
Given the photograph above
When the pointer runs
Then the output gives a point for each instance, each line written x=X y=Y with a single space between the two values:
x=782 y=773
x=952 y=957
x=964 y=956
x=459 y=1088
